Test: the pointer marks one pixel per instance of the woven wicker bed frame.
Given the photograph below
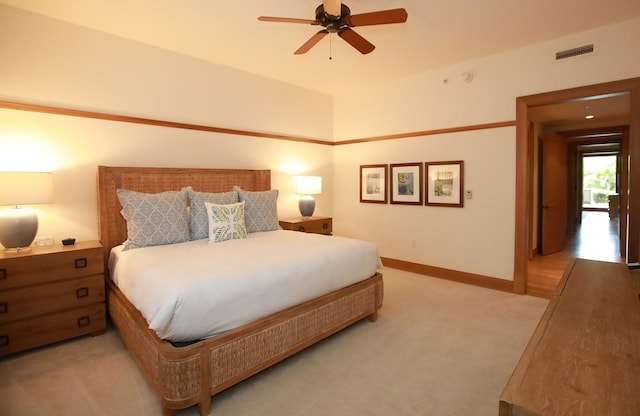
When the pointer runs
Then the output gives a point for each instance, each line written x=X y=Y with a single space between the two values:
x=183 y=377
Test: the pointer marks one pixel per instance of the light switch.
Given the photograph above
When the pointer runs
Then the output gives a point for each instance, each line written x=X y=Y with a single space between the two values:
x=469 y=194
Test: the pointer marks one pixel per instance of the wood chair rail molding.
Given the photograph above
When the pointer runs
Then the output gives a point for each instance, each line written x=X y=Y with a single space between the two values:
x=431 y=132
x=148 y=121
x=12 y=105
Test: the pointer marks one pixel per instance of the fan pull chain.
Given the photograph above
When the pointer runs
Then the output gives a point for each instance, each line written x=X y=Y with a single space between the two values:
x=330 y=49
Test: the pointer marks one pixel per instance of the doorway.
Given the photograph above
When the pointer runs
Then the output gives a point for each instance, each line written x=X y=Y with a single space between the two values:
x=597 y=233
x=526 y=199
x=599 y=179
x=576 y=219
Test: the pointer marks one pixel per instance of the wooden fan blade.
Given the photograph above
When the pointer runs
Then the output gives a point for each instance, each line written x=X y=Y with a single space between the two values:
x=355 y=40
x=287 y=20
x=382 y=17
x=311 y=42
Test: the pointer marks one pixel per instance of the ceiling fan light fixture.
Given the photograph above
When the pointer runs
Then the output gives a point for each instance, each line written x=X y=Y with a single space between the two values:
x=332 y=8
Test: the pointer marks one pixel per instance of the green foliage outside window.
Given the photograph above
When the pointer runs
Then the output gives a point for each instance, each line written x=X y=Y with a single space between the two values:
x=599 y=175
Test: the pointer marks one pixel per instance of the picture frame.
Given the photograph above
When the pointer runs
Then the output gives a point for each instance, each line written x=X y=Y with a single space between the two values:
x=444 y=183
x=373 y=184
x=406 y=183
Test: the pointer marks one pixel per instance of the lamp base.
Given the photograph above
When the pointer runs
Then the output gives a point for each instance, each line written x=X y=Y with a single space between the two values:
x=17 y=250
x=307 y=205
x=18 y=228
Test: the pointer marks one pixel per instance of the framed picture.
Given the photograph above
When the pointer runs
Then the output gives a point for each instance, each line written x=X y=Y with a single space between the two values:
x=373 y=184
x=406 y=183
x=445 y=182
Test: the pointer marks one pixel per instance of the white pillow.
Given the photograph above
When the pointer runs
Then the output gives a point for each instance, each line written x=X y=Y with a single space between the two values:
x=226 y=222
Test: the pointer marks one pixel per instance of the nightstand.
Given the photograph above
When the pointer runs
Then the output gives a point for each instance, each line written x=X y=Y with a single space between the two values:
x=51 y=293
x=316 y=225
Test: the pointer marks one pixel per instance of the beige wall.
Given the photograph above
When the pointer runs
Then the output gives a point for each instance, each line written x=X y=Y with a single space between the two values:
x=480 y=237
x=55 y=63
x=48 y=62
x=455 y=238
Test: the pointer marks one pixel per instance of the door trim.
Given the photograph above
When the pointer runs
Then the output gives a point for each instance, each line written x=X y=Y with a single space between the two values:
x=524 y=158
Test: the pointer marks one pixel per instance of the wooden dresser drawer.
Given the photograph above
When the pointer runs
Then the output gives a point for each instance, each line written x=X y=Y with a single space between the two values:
x=29 y=333
x=315 y=225
x=51 y=293
x=31 y=301
x=49 y=263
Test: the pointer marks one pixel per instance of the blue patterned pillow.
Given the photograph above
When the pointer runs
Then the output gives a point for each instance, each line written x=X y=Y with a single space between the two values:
x=226 y=222
x=198 y=218
x=261 y=211
x=154 y=219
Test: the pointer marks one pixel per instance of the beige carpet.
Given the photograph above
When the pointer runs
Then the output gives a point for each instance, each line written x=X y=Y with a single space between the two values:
x=438 y=348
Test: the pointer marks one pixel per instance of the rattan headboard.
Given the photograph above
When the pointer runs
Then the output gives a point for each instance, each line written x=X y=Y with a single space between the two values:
x=112 y=229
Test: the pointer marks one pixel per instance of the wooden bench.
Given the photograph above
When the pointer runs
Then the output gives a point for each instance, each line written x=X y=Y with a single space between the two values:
x=584 y=356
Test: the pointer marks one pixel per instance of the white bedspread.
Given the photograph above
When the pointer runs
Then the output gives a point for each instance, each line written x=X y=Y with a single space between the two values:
x=195 y=290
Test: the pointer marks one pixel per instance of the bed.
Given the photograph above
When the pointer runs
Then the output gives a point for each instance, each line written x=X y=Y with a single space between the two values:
x=189 y=374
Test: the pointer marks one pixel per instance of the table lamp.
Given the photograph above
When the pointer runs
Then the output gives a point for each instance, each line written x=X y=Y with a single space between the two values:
x=307 y=186
x=19 y=225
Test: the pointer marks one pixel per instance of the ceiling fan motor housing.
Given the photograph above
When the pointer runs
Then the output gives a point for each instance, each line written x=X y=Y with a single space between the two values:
x=333 y=23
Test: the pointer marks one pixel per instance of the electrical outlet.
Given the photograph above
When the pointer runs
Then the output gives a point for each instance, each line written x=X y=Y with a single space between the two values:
x=414 y=244
x=44 y=241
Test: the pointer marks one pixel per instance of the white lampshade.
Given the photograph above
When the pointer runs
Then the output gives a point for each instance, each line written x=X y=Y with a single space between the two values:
x=18 y=226
x=308 y=185
x=24 y=188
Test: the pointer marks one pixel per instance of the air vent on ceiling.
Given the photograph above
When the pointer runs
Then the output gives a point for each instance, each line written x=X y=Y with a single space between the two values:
x=570 y=53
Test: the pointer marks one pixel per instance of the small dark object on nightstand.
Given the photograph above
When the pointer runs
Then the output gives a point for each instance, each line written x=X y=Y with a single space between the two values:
x=68 y=241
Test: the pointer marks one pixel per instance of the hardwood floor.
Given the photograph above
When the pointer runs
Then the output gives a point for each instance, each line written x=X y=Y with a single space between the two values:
x=596 y=239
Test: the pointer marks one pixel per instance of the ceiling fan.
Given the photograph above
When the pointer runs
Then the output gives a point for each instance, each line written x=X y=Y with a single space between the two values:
x=336 y=17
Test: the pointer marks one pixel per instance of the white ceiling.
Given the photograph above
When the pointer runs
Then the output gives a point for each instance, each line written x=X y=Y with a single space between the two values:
x=437 y=33
x=610 y=110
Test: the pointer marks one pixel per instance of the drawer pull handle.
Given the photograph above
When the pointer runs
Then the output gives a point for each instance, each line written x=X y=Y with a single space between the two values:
x=325 y=225
x=81 y=263
x=84 y=321
x=3 y=274
x=82 y=292
x=4 y=307
x=4 y=340
x=302 y=229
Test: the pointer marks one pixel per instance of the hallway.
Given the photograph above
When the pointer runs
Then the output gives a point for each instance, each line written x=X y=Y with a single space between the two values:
x=596 y=239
